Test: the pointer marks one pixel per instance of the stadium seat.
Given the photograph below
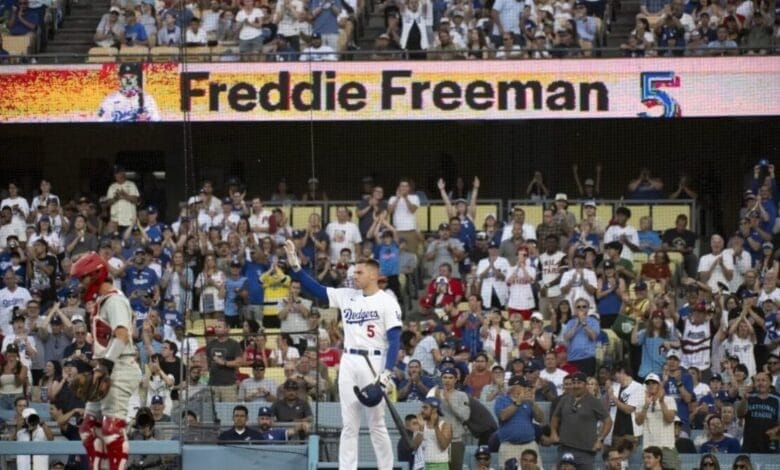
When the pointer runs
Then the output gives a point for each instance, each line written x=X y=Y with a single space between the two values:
x=604 y=212
x=533 y=214
x=482 y=211
x=423 y=219
x=100 y=55
x=18 y=45
x=163 y=54
x=197 y=54
x=133 y=53
x=334 y=208
x=299 y=215
x=637 y=212
x=664 y=215
x=576 y=209
x=438 y=215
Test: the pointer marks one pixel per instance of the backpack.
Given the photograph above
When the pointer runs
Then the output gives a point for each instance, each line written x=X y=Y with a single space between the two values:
x=480 y=421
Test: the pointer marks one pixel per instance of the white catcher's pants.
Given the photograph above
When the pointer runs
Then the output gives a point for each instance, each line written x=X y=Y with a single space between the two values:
x=354 y=371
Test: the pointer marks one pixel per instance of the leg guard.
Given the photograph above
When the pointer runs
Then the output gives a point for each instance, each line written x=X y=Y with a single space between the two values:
x=89 y=432
x=115 y=440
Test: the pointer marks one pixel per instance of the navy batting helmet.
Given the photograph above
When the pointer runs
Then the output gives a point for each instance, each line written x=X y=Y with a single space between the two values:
x=371 y=395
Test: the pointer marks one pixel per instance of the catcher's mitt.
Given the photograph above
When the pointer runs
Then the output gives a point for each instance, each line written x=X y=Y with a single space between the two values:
x=92 y=385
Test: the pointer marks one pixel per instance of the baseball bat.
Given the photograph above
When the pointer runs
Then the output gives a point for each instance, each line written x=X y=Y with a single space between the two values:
x=399 y=423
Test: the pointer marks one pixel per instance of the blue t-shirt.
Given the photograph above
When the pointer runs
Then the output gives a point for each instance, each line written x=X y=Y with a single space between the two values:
x=273 y=434
x=252 y=272
x=727 y=445
x=19 y=29
x=388 y=257
x=138 y=280
x=653 y=353
x=415 y=393
x=519 y=428
x=326 y=22
x=134 y=33
x=592 y=241
x=232 y=286
x=670 y=389
x=580 y=345
x=470 y=336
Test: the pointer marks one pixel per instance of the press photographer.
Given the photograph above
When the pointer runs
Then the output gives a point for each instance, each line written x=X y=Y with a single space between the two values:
x=33 y=430
x=144 y=430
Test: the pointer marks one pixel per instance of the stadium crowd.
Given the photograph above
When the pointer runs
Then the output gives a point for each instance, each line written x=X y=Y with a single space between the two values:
x=554 y=328
x=319 y=30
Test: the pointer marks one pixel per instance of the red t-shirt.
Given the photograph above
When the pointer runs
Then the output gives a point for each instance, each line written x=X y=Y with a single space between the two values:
x=330 y=357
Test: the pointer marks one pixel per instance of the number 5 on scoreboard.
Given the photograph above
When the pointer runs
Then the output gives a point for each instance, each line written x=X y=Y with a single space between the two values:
x=370 y=330
x=652 y=93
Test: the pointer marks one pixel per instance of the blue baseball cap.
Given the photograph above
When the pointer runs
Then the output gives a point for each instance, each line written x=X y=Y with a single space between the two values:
x=264 y=411
x=449 y=371
x=435 y=403
x=158 y=400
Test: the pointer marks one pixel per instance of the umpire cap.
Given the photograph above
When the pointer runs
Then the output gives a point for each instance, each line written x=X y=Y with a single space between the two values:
x=370 y=396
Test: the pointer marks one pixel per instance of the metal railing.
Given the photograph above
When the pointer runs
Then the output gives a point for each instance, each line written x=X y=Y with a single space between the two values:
x=231 y=54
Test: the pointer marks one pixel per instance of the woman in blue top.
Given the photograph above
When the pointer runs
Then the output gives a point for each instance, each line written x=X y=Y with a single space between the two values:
x=609 y=295
x=386 y=251
x=655 y=341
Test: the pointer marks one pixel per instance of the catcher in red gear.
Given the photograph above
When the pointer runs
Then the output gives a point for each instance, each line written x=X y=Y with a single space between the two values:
x=116 y=374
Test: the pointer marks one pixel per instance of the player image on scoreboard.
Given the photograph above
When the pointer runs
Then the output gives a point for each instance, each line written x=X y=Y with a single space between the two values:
x=130 y=103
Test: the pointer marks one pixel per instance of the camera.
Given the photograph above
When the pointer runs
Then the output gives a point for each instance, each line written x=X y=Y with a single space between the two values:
x=763 y=162
x=144 y=418
x=32 y=421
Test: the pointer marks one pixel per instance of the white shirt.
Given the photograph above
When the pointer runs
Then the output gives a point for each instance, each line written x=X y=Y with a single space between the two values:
x=742 y=263
x=550 y=265
x=39 y=462
x=507 y=345
x=8 y=300
x=318 y=54
x=656 y=431
x=196 y=38
x=613 y=234
x=403 y=218
x=24 y=208
x=705 y=264
x=209 y=21
x=366 y=318
x=122 y=211
x=632 y=395
x=260 y=222
x=249 y=30
x=521 y=295
x=577 y=288
x=342 y=235
x=117 y=107
x=556 y=377
x=491 y=283
x=764 y=295
x=529 y=232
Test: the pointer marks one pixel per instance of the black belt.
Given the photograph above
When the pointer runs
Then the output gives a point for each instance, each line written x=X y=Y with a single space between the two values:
x=365 y=352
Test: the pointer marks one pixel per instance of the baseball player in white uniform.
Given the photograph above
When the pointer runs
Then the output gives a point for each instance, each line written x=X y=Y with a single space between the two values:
x=130 y=103
x=372 y=328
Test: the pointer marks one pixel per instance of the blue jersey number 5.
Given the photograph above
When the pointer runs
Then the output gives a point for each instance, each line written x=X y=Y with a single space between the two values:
x=652 y=94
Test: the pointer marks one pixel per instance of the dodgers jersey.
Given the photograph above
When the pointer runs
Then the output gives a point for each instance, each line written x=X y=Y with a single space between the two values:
x=366 y=318
x=117 y=107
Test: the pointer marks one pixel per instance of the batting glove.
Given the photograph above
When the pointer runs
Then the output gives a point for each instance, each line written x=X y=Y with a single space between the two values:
x=292 y=255
x=386 y=379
